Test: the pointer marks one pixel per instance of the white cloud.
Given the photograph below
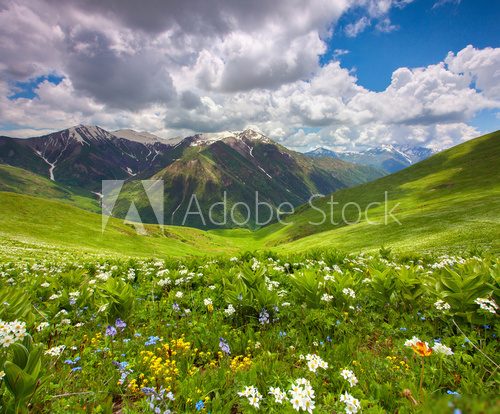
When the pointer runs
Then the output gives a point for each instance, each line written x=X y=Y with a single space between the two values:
x=207 y=67
x=353 y=29
x=385 y=26
x=481 y=66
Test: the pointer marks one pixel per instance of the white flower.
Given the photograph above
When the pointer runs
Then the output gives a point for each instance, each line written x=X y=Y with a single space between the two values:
x=42 y=326
x=349 y=292
x=229 y=310
x=487 y=305
x=207 y=301
x=349 y=376
x=278 y=394
x=252 y=394
x=11 y=332
x=212 y=287
x=326 y=297
x=442 y=305
x=412 y=342
x=2 y=374
x=314 y=362
x=55 y=350
x=179 y=294
x=352 y=405
x=302 y=395
x=439 y=348
x=45 y=285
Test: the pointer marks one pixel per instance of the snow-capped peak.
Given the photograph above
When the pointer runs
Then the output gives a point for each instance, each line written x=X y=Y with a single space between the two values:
x=211 y=137
x=142 y=137
x=86 y=133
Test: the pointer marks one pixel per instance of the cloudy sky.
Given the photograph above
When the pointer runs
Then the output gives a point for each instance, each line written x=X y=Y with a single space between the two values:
x=337 y=73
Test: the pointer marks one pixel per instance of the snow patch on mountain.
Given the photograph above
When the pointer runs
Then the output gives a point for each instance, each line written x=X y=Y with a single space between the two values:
x=211 y=137
x=141 y=137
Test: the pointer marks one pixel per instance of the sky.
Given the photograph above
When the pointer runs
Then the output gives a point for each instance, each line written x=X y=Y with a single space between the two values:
x=342 y=74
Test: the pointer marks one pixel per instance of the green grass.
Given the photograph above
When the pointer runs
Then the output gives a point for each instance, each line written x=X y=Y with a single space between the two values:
x=103 y=329
x=18 y=180
x=449 y=201
x=48 y=224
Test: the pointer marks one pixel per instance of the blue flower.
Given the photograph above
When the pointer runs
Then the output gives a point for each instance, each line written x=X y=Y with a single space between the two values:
x=263 y=316
x=121 y=325
x=72 y=362
x=111 y=331
x=402 y=329
x=282 y=334
x=148 y=390
x=450 y=392
x=224 y=346
x=152 y=340
x=75 y=369
x=199 y=405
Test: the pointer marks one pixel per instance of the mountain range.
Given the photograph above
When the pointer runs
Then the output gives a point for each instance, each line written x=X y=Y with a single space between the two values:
x=390 y=158
x=237 y=163
x=448 y=202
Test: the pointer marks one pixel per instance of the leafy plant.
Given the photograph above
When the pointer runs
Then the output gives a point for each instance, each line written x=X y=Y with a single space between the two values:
x=119 y=297
x=22 y=374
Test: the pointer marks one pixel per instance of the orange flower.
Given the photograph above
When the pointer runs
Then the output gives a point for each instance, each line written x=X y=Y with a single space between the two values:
x=422 y=349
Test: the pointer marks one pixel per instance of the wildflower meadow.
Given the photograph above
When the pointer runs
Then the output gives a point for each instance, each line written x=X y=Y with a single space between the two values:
x=323 y=332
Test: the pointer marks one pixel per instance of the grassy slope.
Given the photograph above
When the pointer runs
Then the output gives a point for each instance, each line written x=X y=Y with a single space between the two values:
x=53 y=223
x=450 y=199
x=18 y=180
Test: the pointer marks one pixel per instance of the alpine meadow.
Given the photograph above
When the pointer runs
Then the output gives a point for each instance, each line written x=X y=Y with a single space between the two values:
x=235 y=207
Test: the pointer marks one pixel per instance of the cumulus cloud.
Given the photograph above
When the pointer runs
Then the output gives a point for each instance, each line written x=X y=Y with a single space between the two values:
x=175 y=68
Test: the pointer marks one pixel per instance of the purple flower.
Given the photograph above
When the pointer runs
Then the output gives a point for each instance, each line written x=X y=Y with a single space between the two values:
x=263 y=316
x=224 y=346
x=121 y=325
x=148 y=390
x=111 y=331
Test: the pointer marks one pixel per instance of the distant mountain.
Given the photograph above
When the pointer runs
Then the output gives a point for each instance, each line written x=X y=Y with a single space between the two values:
x=390 y=158
x=142 y=137
x=238 y=163
x=83 y=156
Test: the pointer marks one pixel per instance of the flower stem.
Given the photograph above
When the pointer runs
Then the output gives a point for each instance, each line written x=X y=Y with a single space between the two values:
x=422 y=380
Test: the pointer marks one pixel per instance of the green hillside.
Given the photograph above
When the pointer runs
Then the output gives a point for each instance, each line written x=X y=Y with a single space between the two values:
x=450 y=199
x=240 y=168
x=18 y=180
x=39 y=223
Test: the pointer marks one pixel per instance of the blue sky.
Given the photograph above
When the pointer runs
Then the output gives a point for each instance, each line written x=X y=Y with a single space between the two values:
x=425 y=36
